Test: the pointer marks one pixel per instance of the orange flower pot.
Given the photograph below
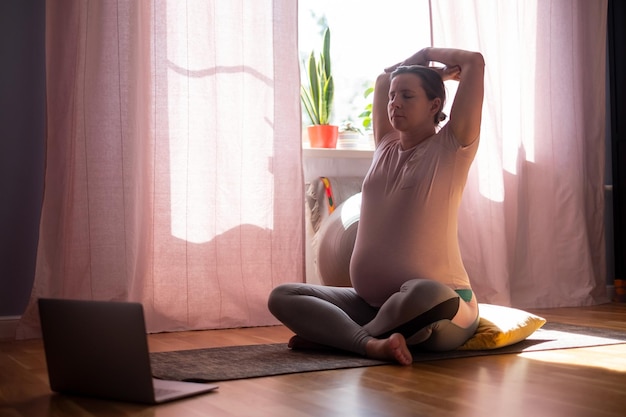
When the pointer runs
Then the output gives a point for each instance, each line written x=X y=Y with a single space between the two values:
x=323 y=136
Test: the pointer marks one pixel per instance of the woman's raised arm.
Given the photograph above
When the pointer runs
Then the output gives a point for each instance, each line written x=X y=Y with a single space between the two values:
x=466 y=112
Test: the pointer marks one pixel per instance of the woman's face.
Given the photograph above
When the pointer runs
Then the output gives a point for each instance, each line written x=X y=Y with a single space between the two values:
x=409 y=106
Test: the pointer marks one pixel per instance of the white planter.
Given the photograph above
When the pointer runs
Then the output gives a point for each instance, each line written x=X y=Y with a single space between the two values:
x=349 y=140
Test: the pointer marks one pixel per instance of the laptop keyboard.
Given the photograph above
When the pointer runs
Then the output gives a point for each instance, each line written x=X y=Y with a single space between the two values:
x=161 y=392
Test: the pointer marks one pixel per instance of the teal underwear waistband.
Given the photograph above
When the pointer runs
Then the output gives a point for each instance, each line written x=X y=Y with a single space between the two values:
x=466 y=295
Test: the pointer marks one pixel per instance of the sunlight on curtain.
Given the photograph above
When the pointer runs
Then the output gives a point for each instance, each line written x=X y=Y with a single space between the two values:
x=219 y=67
x=173 y=171
x=531 y=222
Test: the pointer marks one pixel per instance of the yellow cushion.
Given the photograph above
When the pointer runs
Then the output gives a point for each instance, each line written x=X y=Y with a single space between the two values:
x=501 y=326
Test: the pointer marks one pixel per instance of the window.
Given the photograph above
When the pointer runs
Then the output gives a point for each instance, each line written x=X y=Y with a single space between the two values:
x=366 y=36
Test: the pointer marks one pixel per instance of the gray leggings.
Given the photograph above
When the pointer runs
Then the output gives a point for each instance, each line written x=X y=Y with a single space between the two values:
x=339 y=318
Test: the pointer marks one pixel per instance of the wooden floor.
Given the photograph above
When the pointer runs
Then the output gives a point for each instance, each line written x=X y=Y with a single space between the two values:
x=589 y=382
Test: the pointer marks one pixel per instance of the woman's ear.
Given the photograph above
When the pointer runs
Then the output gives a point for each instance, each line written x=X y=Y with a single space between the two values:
x=436 y=106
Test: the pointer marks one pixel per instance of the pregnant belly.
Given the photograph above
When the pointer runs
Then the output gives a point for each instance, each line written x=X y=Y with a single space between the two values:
x=376 y=277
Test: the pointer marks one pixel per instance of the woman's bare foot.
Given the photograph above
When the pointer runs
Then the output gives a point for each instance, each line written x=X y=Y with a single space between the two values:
x=392 y=348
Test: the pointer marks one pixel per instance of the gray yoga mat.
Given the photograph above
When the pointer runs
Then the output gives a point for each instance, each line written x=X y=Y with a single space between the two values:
x=250 y=361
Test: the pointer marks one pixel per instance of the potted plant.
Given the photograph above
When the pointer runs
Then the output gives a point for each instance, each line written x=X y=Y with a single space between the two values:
x=350 y=136
x=366 y=117
x=318 y=96
x=366 y=114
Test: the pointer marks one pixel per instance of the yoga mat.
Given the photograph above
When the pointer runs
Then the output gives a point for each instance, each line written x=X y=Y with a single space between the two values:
x=250 y=361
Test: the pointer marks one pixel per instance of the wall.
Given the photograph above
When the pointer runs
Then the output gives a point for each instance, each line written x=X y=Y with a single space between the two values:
x=22 y=130
x=617 y=114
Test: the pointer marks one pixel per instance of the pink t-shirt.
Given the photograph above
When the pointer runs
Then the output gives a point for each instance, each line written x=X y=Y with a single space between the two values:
x=408 y=223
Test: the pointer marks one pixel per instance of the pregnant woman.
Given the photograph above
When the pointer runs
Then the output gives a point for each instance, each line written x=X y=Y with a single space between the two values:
x=409 y=284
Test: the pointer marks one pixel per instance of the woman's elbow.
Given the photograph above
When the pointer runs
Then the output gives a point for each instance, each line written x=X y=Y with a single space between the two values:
x=476 y=58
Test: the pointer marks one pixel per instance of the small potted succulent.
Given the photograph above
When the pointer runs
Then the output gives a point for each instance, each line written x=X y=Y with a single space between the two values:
x=350 y=136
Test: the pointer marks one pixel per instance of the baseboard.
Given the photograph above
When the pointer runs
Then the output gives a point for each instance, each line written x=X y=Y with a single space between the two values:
x=8 y=325
x=610 y=292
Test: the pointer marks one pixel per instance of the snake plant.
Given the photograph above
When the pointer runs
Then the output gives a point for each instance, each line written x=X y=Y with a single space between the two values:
x=317 y=97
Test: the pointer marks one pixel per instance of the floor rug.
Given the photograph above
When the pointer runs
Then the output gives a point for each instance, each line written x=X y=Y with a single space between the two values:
x=238 y=362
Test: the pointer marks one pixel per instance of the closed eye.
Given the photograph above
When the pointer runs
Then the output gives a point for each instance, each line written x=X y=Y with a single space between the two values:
x=403 y=93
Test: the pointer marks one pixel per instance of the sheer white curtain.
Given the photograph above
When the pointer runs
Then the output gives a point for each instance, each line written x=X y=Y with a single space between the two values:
x=532 y=219
x=173 y=173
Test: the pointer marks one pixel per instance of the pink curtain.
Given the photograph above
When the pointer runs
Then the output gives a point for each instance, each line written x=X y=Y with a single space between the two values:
x=532 y=220
x=173 y=173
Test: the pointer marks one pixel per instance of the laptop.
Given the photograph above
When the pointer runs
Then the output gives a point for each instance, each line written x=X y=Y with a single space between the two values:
x=100 y=349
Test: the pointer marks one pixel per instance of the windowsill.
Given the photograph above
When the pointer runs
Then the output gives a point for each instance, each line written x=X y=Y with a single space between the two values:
x=309 y=152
